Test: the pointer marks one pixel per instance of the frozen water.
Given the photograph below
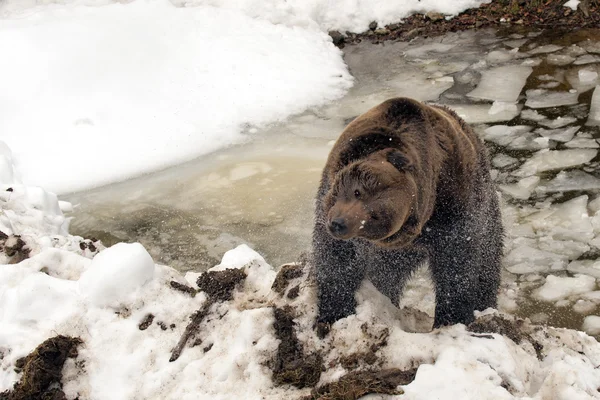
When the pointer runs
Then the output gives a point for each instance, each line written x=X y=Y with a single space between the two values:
x=591 y=323
x=547 y=160
x=557 y=288
x=594 y=114
x=501 y=56
x=559 y=59
x=586 y=59
x=540 y=98
x=532 y=115
x=559 y=135
x=583 y=79
x=582 y=143
x=527 y=259
x=587 y=267
x=522 y=189
x=503 y=161
x=515 y=43
x=503 y=135
x=571 y=180
x=502 y=83
x=480 y=113
x=558 y=122
x=549 y=48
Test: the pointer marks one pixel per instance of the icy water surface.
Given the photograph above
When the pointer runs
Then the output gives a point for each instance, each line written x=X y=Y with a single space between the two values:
x=534 y=98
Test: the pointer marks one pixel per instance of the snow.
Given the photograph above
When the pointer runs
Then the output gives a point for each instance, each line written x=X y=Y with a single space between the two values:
x=169 y=103
x=572 y=4
x=115 y=274
x=591 y=325
x=501 y=83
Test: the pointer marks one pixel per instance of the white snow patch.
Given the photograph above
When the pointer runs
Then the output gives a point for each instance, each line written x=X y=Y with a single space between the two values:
x=572 y=4
x=174 y=92
x=591 y=325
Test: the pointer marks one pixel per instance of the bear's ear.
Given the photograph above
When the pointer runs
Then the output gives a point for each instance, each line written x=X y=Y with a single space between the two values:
x=399 y=161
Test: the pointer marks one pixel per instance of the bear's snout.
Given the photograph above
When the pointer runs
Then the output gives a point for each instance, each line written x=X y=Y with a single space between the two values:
x=338 y=227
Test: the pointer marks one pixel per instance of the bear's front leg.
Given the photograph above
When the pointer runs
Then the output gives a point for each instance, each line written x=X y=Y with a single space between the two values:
x=455 y=264
x=338 y=275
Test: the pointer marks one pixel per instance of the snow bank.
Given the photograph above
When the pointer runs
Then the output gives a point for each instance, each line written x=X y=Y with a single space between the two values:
x=130 y=313
x=163 y=85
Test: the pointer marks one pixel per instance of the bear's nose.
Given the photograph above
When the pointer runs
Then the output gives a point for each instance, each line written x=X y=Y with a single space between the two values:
x=338 y=227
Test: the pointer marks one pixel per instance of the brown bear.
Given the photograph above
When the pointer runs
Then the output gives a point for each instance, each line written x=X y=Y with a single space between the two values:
x=407 y=183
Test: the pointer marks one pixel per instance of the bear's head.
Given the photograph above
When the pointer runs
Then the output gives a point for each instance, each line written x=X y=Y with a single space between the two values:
x=375 y=198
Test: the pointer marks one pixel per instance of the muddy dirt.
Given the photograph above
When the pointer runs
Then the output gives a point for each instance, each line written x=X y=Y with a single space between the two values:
x=42 y=370
x=183 y=288
x=14 y=247
x=356 y=384
x=498 y=14
x=286 y=273
x=291 y=365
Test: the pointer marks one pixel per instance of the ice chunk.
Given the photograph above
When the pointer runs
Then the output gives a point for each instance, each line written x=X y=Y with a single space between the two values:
x=547 y=160
x=115 y=274
x=559 y=59
x=594 y=114
x=566 y=221
x=532 y=115
x=570 y=248
x=591 y=323
x=587 y=267
x=541 y=98
x=502 y=83
x=582 y=143
x=525 y=259
x=480 y=113
x=529 y=141
x=549 y=85
x=500 y=56
x=557 y=288
x=571 y=180
x=558 y=122
x=559 y=135
x=583 y=79
x=502 y=161
x=503 y=135
x=548 y=48
x=586 y=59
x=522 y=189
x=515 y=43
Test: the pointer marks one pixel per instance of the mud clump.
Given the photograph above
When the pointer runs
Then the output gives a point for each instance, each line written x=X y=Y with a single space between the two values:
x=219 y=285
x=291 y=366
x=183 y=288
x=516 y=330
x=42 y=370
x=14 y=247
x=286 y=273
x=357 y=384
x=146 y=322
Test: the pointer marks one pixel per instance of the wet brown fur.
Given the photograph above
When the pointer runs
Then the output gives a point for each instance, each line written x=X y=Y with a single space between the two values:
x=412 y=183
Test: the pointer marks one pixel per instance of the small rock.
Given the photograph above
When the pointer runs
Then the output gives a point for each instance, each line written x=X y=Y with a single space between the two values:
x=373 y=25
x=337 y=37
x=434 y=16
x=393 y=27
x=382 y=31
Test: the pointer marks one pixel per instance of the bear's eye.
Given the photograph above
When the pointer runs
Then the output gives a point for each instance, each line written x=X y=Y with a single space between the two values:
x=357 y=194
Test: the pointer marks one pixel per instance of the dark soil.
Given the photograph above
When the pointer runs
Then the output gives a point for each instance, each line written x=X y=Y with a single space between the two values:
x=16 y=250
x=42 y=370
x=533 y=14
x=356 y=384
x=219 y=285
x=516 y=330
x=146 y=322
x=286 y=273
x=291 y=365
x=183 y=288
